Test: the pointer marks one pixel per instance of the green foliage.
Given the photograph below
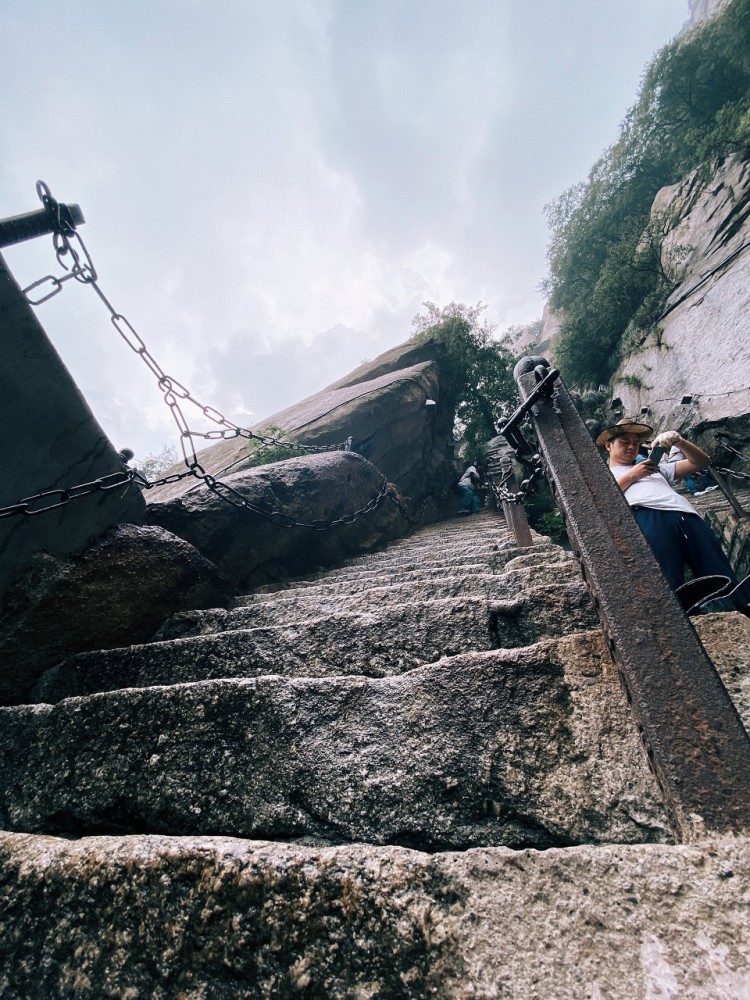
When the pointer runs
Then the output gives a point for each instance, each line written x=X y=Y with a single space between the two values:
x=477 y=368
x=266 y=454
x=552 y=525
x=634 y=382
x=155 y=463
x=608 y=272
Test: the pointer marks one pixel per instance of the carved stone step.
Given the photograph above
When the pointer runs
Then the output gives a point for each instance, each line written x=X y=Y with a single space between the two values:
x=314 y=602
x=327 y=599
x=416 y=559
x=519 y=747
x=427 y=561
x=278 y=920
x=385 y=642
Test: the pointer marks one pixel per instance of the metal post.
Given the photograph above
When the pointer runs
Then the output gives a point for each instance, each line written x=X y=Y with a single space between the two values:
x=32 y=224
x=694 y=739
x=503 y=479
x=515 y=513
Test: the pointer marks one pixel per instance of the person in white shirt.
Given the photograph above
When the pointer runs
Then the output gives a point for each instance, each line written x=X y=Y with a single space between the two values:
x=673 y=528
x=470 y=500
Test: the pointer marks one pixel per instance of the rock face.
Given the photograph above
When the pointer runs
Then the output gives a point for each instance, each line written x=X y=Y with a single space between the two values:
x=150 y=916
x=704 y=10
x=317 y=490
x=702 y=350
x=415 y=776
x=51 y=442
x=382 y=407
x=118 y=591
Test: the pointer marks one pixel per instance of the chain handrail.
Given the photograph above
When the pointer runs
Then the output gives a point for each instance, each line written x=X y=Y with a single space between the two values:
x=29 y=506
x=503 y=495
x=733 y=473
x=733 y=451
x=70 y=247
x=74 y=258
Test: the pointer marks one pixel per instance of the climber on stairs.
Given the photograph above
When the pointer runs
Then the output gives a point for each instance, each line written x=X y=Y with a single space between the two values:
x=675 y=531
x=471 y=502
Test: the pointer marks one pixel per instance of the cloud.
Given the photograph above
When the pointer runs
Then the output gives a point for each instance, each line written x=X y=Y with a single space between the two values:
x=272 y=190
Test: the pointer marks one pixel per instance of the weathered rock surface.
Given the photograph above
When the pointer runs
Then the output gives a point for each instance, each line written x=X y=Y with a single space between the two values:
x=372 y=644
x=523 y=747
x=734 y=533
x=51 y=441
x=215 y=917
x=423 y=600
x=704 y=10
x=117 y=592
x=252 y=550
x=702 y=349
x=382 y=407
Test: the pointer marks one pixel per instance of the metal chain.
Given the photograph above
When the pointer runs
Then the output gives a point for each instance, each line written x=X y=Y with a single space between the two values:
x=283 y=520
x=727 y=447
x=74 y=258
x=38 y=504
x=41 y=503
x=733 y=473
x=503 y=495
x=68 y=244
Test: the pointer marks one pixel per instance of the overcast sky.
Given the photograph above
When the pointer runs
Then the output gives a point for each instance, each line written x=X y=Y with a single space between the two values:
x=273 y=187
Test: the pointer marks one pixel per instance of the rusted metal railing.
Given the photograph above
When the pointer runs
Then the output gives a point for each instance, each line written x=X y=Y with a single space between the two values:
x=506 y=491
x=694 y=739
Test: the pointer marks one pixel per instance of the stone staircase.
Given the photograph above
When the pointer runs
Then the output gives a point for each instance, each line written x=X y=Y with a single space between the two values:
x=411 y=776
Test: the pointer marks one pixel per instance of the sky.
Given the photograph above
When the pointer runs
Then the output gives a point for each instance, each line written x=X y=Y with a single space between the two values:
x=272 y=188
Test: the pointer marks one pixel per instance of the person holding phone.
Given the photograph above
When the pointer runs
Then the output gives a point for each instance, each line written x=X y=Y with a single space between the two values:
x=675 y=531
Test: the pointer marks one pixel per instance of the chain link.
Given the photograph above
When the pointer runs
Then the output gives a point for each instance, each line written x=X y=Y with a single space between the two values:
x=734 y=474
x=729 y=448
x=502 y=494
x=40 y=503
x=75 y=259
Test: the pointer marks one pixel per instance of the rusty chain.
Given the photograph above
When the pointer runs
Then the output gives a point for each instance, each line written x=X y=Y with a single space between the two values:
x=733 y=451
x=502 y=494
x=75 y=260
x=41 y=503
x=733 y=473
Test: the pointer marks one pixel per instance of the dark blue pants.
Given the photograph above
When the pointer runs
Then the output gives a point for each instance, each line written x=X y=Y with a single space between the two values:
x=677 y=538
x=470 y=502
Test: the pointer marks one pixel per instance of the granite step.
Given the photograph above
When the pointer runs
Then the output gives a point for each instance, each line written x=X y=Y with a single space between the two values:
x=161 y=917
x=414 y=560
x=211 y=645
x=525 y=747
x=347 y=597
x=330 y=599
x=385 y=642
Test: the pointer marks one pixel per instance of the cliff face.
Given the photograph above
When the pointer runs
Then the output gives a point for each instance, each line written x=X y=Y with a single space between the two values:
x=704 y=10
x=692 y=370
x=382 y=406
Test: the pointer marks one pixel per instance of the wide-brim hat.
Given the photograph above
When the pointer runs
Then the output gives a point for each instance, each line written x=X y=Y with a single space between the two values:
x=624 y=426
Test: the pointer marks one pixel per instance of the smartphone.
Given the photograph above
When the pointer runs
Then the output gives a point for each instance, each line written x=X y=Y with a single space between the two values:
x=656 y=455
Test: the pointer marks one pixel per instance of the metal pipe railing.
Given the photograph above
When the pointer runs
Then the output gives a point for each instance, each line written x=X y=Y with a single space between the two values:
x=694 y=739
